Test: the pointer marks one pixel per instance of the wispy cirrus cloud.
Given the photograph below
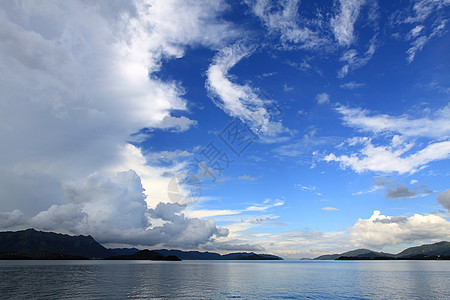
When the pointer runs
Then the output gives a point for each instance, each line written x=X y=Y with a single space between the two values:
x=352 y=85
x=387 y=159
x=325 y=31
x=435 y=126
x=241 y=101
x=343 y=23
x=283 y=18
x=354 y=60
x=419 y=41
x=418 y=24
x=248 y=178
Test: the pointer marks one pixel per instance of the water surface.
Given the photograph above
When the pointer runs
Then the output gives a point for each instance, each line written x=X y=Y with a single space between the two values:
x=225 y=279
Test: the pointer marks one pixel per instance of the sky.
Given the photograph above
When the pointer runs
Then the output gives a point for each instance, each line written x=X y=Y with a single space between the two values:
x=296 y=128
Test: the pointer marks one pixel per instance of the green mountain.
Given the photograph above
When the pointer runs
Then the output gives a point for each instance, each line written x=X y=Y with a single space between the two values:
x=31 y=242
x=436 y=249
x=361 y=253
x=439 y=250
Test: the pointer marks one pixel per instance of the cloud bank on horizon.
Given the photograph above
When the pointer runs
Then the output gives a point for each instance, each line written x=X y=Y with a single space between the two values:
x=103 y=104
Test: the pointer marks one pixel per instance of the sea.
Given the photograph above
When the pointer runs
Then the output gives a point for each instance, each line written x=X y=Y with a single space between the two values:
x=224 y=280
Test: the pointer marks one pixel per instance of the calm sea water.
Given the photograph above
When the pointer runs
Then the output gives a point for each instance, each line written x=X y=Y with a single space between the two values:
x=225 y=280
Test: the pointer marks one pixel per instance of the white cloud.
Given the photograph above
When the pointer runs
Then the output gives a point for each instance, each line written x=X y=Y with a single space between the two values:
x=114 y=210
x=282 y=18
x=329 y=208
x=232 y=246
x=401 y=155
x=352 y=85
x=241 y=224
x=422 y=9
x=258 y=207
x=343 y=23
x=240 y=101
x=307 y=188
x=75 y=87
x=436 y=127
x=387 y=159
x=267 y=205
x=324 y=31
x=179 y=124
x=420 y=42
x=415 y=31
x=426 y=20
x=380 y=230
x=323 y=98
x=353 y=60
x=247 y=177
x=208 y=213
x=287 y=88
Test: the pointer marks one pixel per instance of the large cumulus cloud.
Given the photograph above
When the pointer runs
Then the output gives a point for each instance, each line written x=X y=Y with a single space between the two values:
x=115 y=210
x=78 y=78
x=380 y=230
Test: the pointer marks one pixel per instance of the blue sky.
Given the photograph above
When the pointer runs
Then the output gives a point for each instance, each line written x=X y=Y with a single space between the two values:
x=306 y=127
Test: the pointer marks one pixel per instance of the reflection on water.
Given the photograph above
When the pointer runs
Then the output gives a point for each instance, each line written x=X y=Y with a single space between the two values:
x=222 y=280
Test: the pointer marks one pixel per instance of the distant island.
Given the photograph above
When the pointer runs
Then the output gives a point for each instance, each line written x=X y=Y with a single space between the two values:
x=436 y=251
x=39 y=245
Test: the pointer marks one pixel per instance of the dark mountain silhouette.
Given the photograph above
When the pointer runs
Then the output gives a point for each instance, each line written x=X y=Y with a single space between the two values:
x=144 y=255
x=190 y=255
x=197 y=255
x=32 y=242
x=124 y=251
x=440 y=250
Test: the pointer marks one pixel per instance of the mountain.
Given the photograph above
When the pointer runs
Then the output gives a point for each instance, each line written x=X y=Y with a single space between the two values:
x=197 y=255
x=439 y=250
x=430 y=250
x=33 y=242
x=144 y=255
x=124 y=251
x=359 y=253
x=190 y=255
